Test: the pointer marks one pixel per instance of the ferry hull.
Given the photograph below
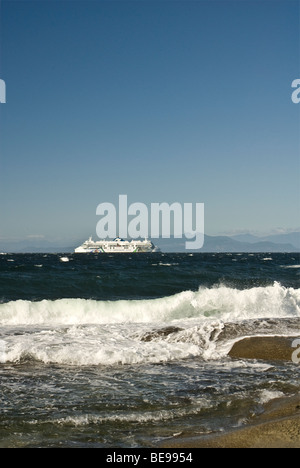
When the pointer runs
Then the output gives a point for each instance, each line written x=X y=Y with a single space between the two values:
x=116 y=246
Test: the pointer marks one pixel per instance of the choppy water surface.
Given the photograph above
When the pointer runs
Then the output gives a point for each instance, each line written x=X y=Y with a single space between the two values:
x=123 y=351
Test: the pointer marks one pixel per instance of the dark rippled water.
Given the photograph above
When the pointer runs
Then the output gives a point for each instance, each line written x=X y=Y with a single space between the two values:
x=124 y=351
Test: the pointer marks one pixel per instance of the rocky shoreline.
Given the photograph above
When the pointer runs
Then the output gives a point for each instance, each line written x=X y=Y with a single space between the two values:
x=277 y=427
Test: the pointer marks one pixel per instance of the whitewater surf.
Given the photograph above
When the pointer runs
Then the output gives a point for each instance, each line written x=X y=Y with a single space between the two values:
x=101 y=353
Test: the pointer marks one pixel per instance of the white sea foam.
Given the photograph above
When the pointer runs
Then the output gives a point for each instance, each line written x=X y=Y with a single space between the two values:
x=224 y=303
x=93 y=345
x=268 y=395
x=87 y=332
x=131 y=417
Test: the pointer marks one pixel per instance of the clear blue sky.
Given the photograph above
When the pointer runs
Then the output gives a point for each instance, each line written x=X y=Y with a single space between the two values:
x=164 y=101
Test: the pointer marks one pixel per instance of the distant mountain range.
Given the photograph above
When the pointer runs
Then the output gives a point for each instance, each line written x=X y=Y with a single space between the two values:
x=240 y=243
x=290 y=238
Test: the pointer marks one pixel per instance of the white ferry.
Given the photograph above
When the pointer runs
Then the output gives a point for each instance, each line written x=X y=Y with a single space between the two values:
x=117 y=245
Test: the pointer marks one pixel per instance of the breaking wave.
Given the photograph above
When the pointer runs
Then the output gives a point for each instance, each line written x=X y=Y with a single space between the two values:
x=220 y=302
x=186 y=325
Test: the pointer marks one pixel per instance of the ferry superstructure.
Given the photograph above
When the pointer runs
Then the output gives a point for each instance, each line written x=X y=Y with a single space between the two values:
x=117 y=245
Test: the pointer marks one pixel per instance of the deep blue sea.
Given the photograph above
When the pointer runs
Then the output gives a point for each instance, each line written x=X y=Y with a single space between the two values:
x=131 y=350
